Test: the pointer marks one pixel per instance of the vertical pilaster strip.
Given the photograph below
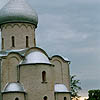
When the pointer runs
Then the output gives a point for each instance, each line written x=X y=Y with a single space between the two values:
x=0 y=80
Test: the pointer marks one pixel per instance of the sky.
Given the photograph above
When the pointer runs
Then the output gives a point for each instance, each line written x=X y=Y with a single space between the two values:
x=71 y=28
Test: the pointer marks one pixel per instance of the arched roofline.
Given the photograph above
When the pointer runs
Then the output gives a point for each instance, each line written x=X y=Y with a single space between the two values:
x=8 y=22
x=13 y=92
x=36 y=64
x=13 y=87
x=35 y=49
x=18 y=54
x=62 y=58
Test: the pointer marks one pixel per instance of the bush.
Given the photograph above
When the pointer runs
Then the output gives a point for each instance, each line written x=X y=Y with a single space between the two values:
x=94 y=94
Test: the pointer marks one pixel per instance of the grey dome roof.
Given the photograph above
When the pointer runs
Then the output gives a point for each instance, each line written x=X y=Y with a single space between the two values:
x=18 y=11
x=36 y=57
x=13 y=87
x=60 y=88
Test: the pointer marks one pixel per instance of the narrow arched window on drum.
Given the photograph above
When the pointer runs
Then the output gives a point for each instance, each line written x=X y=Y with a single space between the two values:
x=13 y=41
x=43 y=76
x=16 y=98
x=45 y=98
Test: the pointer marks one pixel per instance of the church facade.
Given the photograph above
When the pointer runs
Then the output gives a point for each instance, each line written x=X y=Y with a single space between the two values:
x=26 y=71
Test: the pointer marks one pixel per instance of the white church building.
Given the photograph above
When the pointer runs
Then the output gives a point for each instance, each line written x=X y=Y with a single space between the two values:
x=26 y=71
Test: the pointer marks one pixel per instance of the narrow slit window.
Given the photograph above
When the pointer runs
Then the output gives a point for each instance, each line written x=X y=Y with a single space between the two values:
x=13 y=41
x=45 y=98
x=2 y=43
x=27 y=42
x=65 y=98
x=43 y=76
x=34 y=42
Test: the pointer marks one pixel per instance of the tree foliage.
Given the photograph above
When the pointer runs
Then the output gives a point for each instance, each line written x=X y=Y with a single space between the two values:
x=75 y=86
x=94 y=94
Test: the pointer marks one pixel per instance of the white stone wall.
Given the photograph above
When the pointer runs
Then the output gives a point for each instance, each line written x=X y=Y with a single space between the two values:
x=62 y=73
x=9 y=69
x=12 y=96
x=19 y=31
x=60 y=96
x=31 y=78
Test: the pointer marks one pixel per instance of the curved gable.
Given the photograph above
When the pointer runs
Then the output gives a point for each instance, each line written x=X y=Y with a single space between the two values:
x=36 y=55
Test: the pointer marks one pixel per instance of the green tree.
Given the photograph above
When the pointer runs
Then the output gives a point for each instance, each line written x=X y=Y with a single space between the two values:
x=94 y=94
x=75 y=86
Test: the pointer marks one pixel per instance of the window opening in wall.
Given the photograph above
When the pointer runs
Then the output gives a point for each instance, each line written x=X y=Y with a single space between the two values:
x=13 y=41
x=27 y=42
x=45 y=98
x=2 y=43
x=16 y=98
x=34 y=42
x=43 y=76
x=65 y=98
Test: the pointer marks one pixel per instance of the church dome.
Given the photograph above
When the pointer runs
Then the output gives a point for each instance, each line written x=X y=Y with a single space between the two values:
x=13 y=87
x=36 y=57
x=18 y=11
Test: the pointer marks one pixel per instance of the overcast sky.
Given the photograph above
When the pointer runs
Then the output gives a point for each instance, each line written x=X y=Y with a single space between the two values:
x=71 y=28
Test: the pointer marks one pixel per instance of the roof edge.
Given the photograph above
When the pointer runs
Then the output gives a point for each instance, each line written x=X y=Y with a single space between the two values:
x=60 y=58
x=36 y=64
